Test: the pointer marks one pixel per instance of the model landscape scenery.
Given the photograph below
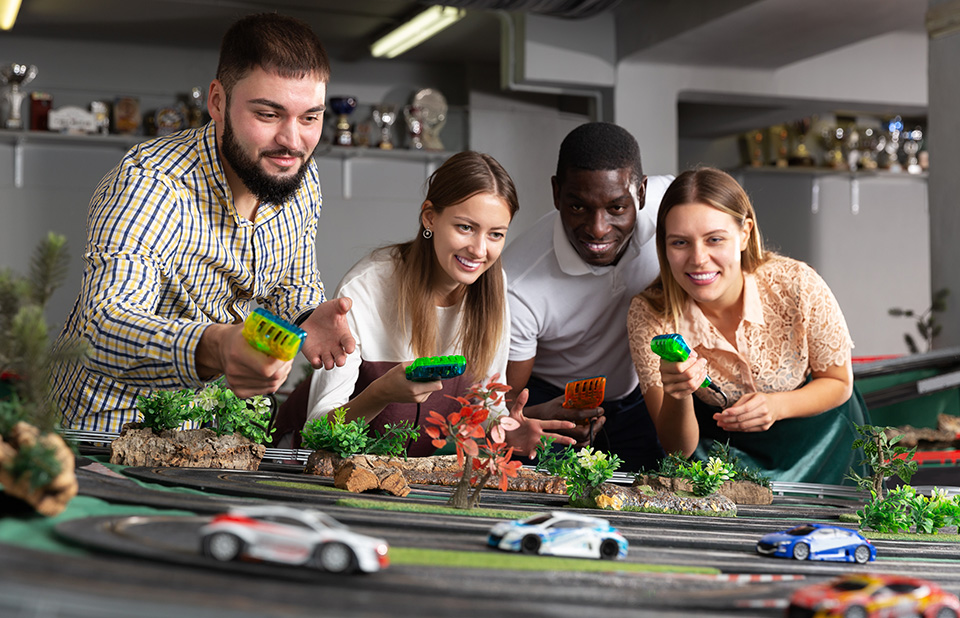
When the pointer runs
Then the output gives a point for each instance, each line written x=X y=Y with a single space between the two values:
x=626 y=401
x=307 y=538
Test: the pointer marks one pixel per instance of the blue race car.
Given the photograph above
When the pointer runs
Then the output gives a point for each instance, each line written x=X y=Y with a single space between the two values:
x=560 y=534
x=818 y=542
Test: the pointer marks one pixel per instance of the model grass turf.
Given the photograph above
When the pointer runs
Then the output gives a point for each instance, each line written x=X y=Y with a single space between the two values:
x=306 y=486
x=409 y=507
x=493 y=559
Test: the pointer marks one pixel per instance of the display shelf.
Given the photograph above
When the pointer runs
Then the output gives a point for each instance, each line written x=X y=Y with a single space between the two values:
x=431 y=159
x=826 y=171
x=819 y=173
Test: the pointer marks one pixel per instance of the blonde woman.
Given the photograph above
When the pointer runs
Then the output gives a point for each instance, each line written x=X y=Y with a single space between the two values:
x=764 y=327
x=441 y=293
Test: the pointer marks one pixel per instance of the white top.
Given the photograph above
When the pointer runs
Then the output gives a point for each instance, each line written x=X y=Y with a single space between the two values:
x=572 y=316
x=381 y=344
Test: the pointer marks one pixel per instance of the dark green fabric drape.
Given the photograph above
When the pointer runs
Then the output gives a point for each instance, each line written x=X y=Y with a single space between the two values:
x=815 y=449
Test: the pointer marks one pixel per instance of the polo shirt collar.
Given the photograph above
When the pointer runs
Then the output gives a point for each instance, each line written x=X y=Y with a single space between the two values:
x=572 y=264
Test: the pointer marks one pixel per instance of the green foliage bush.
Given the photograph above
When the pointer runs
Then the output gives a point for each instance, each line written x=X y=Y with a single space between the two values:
x=583 y=471
x=336 y=435
x=676 y=465
x=706 y=478
x=38 y=461
x=214 y=405
x=903 y=509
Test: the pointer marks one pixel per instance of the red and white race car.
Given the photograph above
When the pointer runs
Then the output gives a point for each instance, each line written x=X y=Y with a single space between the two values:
x=291 y=536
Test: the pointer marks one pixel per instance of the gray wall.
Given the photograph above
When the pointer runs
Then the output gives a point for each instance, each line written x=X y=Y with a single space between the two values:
x=58 y=179
x=944 y=129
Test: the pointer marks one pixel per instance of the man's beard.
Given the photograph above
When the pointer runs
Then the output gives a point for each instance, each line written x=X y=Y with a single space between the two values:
x=266 y=188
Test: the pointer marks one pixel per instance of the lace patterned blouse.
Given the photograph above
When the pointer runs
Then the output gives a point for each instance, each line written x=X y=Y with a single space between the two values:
x=791 y=325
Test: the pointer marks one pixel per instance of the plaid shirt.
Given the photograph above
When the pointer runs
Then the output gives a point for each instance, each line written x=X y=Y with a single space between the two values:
x=167 y=254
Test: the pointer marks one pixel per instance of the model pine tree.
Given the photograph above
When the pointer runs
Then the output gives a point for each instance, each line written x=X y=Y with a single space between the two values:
x=33 y=457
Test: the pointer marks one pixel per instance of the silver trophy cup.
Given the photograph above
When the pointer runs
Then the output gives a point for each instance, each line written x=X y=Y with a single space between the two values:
x=13 y=76
x=385 y=116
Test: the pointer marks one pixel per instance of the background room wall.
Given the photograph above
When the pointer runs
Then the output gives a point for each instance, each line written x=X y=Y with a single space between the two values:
x=385 y=193
x=522 y=129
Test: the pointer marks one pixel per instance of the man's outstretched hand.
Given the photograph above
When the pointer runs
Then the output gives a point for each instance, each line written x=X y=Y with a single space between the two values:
x=329 y=340
x=526 y=437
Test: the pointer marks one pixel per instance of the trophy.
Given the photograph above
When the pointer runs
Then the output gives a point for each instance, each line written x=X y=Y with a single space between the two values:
x=831 y=138
x=911 y=147
x=342 y=106
x=414 y=117
x=753 y=147
x=385 y=116
x=433 y=109
x=13 y=76
x=871 y=142
x=891 y=148
x=799 y=151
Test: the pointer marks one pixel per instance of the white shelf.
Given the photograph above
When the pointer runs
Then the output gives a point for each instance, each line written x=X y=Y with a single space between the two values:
x=826 y=171
x=19 y=139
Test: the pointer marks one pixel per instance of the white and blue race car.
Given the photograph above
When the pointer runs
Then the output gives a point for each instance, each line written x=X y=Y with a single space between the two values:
x=560 y=534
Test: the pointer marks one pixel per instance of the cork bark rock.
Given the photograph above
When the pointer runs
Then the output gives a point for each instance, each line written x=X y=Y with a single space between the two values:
x=50 y=499
x=944 y=437
x=360 y=473
x=741 y=492
x=191 y=448
x=435 y=470
x=613 y=497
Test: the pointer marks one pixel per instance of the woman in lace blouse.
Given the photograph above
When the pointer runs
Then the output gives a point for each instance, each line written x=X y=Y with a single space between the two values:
x=764 y=327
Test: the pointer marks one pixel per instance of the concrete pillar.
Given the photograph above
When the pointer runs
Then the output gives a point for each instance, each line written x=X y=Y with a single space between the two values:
x=943 y=128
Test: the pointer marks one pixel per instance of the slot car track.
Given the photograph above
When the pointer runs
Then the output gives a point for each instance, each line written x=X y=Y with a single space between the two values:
x=151 y=565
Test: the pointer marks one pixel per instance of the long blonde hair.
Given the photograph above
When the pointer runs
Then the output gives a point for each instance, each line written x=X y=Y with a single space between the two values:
x=716 y=188
x=462 y=176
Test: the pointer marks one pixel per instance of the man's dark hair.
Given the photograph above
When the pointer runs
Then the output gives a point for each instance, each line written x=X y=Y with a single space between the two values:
x=599 y=146
x=275 y=43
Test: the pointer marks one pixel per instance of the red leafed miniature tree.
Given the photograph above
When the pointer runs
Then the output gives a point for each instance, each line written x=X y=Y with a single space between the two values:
x=482 y=451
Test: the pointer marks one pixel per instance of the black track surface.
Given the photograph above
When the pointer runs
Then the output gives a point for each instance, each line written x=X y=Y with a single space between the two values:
x=151 y=566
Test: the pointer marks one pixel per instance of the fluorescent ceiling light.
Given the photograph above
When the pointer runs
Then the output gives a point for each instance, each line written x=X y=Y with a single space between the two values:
x=416 y=31
x=8 y=13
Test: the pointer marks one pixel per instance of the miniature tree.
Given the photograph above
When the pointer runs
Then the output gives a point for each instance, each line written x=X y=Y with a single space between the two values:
x=35 y=463
x=884 y=458
x=482 y=451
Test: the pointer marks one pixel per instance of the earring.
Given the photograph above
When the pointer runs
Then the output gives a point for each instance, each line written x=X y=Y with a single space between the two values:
x=427 y=233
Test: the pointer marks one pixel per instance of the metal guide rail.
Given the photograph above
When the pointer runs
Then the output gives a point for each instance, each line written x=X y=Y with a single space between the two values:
x=281 y=455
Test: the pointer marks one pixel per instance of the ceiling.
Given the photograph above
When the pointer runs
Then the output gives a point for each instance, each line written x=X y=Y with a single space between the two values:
x=346 y=27
x=745 y=33
x=760 y=34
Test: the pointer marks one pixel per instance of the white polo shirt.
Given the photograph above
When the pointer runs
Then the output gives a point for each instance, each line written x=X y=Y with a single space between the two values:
x=570 y=315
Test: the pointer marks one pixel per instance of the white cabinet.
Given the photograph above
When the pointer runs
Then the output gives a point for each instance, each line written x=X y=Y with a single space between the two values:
x=867 y=234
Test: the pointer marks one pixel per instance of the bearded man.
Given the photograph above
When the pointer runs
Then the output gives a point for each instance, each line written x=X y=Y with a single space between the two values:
x=191 y=228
